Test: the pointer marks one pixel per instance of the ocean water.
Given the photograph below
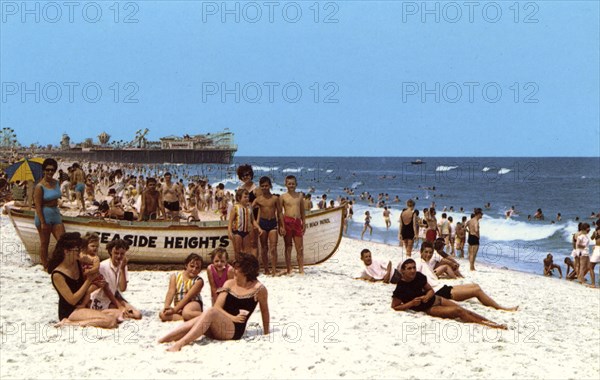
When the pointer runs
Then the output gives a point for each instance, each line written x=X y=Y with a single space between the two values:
x=570 y=186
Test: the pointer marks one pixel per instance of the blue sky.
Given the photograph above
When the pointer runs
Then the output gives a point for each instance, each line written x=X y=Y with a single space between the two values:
x=307 y=78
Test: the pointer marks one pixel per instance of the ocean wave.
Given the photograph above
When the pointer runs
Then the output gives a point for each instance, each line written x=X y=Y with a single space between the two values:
x=504 y=171
x=442 y=168
x=355 y=185
x=485 y=169
x=500 y=229
x=265 y=168
x=293 y=170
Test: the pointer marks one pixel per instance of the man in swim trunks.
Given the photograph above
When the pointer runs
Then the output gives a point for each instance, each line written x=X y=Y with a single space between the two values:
x=472 y=228
x=269 y=215
x=549 y=266
x=172 y=196
x=386 y=217
x=152 y=205
x=78 y=184
x=292 y=204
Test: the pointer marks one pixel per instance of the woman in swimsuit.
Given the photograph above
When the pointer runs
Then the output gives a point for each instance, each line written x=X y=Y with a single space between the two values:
x=72 y=284
x=227 y=319
x=408 y=227
x=47 y=215
x=184 y=292
x=367 y=225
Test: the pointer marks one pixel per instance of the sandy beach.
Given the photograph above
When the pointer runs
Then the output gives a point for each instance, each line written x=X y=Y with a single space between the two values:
x=324 y=325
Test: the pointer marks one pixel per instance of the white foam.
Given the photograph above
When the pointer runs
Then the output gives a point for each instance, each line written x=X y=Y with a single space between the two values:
x=485 y=169
x=501 y=229
x=442 y=168
x=265 y=168
x=355 y=185
x=504 y=171
x=293 y=170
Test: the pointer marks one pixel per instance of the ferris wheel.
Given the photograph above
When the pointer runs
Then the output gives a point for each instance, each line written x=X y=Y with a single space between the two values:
x=8 y=138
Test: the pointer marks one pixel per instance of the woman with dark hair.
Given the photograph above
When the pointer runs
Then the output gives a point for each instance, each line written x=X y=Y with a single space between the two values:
x=47 y=215
x=235 y=303
x=72 y=284
x=246 y=175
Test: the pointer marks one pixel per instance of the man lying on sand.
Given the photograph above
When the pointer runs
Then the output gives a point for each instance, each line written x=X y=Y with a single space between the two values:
x=414 y=293
x=375 y=270
x=458 y=292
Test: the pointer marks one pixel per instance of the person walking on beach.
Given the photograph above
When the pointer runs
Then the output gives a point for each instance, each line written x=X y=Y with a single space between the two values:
x=472 y=228
x=386 y=217
x=414 y=293
x=582 y=251
x=295 y=223
x=409 y=227
x=367 y=225
x=47 y=218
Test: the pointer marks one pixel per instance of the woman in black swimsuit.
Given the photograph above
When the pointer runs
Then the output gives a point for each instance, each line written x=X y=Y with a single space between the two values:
x=408 y=229
x=235 y=303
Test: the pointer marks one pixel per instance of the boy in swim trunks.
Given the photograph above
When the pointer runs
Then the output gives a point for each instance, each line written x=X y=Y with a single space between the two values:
x=269 y=217
x=292 y=204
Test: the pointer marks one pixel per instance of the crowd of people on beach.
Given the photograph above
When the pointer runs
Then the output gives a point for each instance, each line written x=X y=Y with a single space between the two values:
x=91 y=292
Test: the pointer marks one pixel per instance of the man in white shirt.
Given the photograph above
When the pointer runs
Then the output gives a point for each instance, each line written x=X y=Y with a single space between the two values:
x=114 y=271
x=375 y=270
x=458 y=292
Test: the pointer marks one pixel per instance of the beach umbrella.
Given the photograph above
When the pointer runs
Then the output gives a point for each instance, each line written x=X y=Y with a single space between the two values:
x=26 y=169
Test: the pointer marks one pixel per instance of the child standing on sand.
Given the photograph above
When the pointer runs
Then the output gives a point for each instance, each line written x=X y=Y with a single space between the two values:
x=240 y=222
x=218 y=272
x=292 y=204
x=270 y=224
x=184 y=292
x=367 y=225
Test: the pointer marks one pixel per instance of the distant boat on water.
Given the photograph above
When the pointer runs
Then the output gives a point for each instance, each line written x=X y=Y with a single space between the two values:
x=417 y=162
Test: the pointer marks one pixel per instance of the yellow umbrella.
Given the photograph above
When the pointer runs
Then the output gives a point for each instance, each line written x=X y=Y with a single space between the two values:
x=26 y=169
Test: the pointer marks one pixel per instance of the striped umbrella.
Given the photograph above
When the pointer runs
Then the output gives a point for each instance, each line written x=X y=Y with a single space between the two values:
x=26 y=169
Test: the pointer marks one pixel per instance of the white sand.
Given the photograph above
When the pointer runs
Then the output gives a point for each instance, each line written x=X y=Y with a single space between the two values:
x=325 y=325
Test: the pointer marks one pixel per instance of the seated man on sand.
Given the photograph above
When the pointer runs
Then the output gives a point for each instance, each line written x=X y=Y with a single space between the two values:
x=114 y=271
x=549 y=266
x=375 y=270
x=442 y=264
x=457 y=292
x=414 y=293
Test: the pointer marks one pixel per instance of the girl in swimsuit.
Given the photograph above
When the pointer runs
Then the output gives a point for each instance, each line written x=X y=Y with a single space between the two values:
x=228 y=318
x=184 y=292
x=47 y=216
x=218 y=272
x=241 y=223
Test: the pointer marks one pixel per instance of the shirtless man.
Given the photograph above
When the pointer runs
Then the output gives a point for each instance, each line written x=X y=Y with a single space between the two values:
x=78 y=184
x=270 y=223
x=472 y=228
x=386 y=217
x=308 y=203
x=549 y=266
x=295 y=223
x=571 y=273
x=172 y=197
x=152 y=205
x=444 y=228
x=461 y=236
x=432 y=227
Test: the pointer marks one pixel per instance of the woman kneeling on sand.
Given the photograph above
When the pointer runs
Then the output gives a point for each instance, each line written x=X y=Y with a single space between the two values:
x=236 y=301
x=72 y=284
x=413 y=292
